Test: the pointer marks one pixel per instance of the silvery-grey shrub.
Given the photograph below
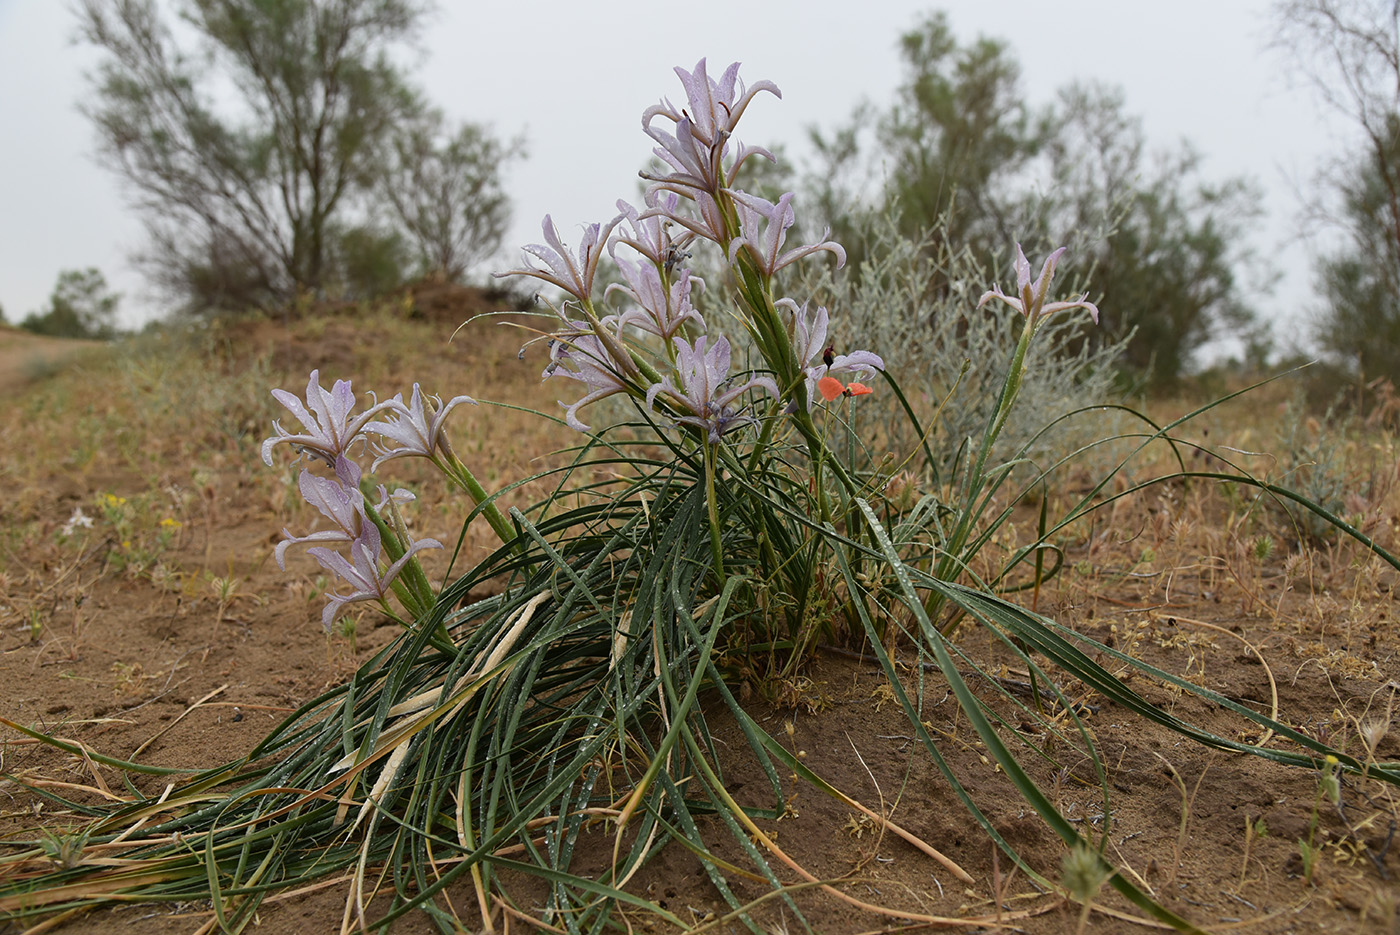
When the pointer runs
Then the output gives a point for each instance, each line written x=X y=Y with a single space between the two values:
x=915 y=303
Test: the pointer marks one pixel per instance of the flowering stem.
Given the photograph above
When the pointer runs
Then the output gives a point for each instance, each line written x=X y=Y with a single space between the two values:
x=416 y=593
x=417 y=596
x=851 y=443
x=464 y=478
x=1009 y=391
x=716 y=544
x=422 y=589
x=766 y=325
x=774 y=343
x=951 y=560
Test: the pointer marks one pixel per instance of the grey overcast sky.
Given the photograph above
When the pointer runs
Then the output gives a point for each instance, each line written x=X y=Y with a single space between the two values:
x=574 y=77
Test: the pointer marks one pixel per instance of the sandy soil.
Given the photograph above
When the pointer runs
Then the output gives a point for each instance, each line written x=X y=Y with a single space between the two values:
x=26 y=357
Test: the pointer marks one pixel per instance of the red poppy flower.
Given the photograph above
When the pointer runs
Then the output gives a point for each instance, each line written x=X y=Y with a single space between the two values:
x=830 y=388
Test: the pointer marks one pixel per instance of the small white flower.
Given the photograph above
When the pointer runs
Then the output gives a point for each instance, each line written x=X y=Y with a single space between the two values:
x=78 y=520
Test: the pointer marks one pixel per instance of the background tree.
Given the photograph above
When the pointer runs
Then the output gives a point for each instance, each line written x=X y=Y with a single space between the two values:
x=444 y=186
x=369 y=259
x=965 y=157
x=1160 y=246
x=947 y=149
x=1349 y=51
x=1361 y=280
x=958 y=134
x=256 y=150
x=80 y=306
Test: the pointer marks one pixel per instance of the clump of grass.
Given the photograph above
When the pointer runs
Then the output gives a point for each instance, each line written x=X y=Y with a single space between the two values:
x=1339 y=461
x=1328 y=788
x=1084 y=872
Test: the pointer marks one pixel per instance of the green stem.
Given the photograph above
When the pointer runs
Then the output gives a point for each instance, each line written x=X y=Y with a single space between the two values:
x=850 y=434
x=424 y=595
x=765 y=437
x=952 y=559
x=411 y=586
x=1009 y=391
x=458 y=472
x=716 y=543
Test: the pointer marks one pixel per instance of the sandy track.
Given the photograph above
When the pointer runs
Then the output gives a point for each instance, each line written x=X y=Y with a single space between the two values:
x=25 y=357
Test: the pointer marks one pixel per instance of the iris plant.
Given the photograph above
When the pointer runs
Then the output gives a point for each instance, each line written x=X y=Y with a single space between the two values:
x=693 y=198
x=657 y=349
x=694 y=201
x=1030 y=302
x=382 y=555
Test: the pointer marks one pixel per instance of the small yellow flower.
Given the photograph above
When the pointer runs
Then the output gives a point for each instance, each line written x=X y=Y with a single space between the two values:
x=126 y=543
x=169 y=523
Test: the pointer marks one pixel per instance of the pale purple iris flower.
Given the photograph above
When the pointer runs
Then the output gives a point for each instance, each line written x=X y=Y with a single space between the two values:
x=329 y=428
x=697 y=168
x=416 y=429
x=763 y=225
x=697 y=148
x=661 y=311
x=361 y=571
x=811 y=349
x=649 y=234
x=339 y=499
x=714 y=106
x=581 y=356
x=709 y=223
x=561 y=268
x=702 y=373
x=1030 y=297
